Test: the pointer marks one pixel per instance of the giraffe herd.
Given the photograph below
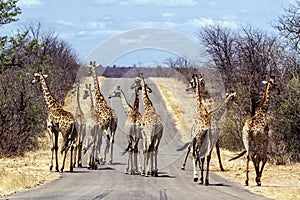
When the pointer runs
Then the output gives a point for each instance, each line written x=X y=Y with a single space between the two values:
x=144 y=131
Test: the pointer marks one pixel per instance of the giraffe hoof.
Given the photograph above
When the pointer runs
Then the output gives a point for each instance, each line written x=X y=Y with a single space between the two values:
x=51 y=168
x=206 y=182
x=196 y=179
x=183 y=168
x=246 y=183
x=258 y=184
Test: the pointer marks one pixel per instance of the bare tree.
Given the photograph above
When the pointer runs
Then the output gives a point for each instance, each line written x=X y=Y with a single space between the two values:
x=289 y=25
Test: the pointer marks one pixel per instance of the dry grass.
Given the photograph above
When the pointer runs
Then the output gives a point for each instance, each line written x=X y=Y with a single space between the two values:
x=17 y=174
x=278 y=182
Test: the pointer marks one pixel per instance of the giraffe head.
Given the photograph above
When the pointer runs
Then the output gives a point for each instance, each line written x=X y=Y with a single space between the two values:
x=231 y=95
x=271 y=84
x=138 y=83
x=196 y=78
x=37 y=77
x=116 y=93
x=86 y=91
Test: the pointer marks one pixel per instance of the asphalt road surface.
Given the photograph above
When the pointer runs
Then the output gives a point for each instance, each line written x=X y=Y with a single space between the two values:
x=110 y=182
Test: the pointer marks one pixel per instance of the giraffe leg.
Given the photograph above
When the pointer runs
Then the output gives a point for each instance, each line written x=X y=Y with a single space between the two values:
x=256 y=166
x=186 y=157
x=147 y=166
x=56 y=150
x=156 y=157
x=261 y=170
x=98 y=146
x=219 y=156
x=135 y=156
x=71 y=158
x=64 y=159
x=106 y=150
x=247 y=170
x=207 y=168
x=195 y=174
x=128 y=162
x=112 y=140
x=201 y=169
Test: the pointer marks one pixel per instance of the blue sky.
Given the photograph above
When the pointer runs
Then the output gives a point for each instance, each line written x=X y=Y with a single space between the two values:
x=84 y=24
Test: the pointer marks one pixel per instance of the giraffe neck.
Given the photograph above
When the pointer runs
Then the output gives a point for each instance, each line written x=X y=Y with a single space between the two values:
x=264 y=104
x=126 y=105
x=92 y=109
x=79 y=110
x=99 y=98
x=201 y=110
x=148 y=107
x=136 y=100
x=220 y=109
x=51 y=102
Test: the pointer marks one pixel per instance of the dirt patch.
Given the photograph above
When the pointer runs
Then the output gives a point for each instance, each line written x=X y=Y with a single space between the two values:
x=278 y=181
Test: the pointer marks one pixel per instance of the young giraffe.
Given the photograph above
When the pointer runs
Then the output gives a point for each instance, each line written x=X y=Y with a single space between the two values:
x=58 y=120
x=152 y=130
x=80 y=126
x=105 y=115
x=255 y=136
x=94 y=137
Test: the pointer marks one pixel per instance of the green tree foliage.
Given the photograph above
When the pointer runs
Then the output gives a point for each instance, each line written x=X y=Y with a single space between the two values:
x=23 y=110
x=8 y=11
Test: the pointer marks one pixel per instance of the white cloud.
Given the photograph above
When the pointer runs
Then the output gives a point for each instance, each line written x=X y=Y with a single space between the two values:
x=168 y=15
x=30 y=3
x=149 y=2
x=202 y=22
x=66 y=23
x=88 y=25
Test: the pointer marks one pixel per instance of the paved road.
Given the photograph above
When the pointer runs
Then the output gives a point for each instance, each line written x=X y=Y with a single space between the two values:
x=109 y=181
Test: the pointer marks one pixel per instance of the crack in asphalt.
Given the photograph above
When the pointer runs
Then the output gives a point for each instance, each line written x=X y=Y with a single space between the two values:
x=102 y=195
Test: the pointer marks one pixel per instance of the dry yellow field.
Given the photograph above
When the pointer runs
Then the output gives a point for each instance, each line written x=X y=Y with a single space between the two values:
x=278 y=182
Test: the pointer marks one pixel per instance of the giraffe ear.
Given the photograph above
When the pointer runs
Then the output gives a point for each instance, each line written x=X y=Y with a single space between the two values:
x=45 y=75
x=264 y=82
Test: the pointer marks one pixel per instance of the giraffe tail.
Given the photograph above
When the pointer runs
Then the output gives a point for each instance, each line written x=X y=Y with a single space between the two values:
x=126 y=150
x=239 y=155
x=183 y=147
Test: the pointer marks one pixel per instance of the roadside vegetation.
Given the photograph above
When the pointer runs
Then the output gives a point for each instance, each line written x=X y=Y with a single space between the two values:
x=22 y=113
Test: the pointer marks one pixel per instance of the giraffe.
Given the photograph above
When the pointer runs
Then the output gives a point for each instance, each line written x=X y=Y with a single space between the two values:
x=94 y=137
x=80 y=126
x=59 y=121
x=113 y=127
x=255 y=136
x=152 y=130
x=132 y=128
x=215 y=122
x=202 y=136
x=106 y=116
